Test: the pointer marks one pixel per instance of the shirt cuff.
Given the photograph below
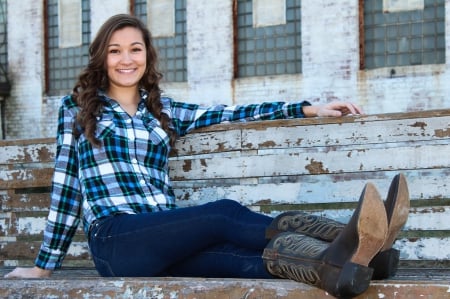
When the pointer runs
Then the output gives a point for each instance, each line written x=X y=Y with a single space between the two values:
x=49 y=259
x=296 y=110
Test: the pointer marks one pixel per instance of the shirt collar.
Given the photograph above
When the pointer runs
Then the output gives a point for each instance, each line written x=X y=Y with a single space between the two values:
x=114 y=105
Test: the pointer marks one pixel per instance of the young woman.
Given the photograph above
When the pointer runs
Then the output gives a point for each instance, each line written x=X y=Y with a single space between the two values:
x=115 y=132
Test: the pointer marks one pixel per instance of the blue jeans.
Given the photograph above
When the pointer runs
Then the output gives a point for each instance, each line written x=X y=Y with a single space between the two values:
x=217 y=239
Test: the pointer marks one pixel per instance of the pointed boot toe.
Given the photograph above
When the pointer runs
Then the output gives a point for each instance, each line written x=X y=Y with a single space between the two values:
x=397 y=206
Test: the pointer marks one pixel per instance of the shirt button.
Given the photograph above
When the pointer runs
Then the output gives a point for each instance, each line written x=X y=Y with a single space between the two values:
x=134 y=161
x=142 y=182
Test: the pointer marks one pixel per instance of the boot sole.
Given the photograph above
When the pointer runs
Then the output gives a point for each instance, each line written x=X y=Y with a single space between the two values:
x=397 y=204
x=372 y=226
x=398 y=213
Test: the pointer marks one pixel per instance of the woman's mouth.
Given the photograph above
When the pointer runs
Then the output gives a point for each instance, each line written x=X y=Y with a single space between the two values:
x=126 y=71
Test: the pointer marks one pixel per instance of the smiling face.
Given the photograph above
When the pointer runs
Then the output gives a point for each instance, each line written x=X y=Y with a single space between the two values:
x=126 y=59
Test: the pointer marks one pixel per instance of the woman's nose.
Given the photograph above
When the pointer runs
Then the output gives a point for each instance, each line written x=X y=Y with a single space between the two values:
x=126 y=57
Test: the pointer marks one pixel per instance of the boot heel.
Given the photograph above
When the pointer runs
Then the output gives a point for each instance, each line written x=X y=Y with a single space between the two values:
x=353 y=280
x=389 y=259
x=346 y=282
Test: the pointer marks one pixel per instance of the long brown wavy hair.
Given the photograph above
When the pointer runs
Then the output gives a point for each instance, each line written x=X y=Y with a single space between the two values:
x=95 y=77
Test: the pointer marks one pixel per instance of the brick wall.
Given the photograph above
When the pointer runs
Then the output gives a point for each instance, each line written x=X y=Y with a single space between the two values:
x=330 y=62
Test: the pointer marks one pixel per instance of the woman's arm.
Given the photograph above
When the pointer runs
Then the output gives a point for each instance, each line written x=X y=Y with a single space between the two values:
x=64 y=214
x=186 y=117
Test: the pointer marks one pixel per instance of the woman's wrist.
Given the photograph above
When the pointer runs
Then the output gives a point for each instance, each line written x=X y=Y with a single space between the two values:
x=42 y=272
x=309 y=111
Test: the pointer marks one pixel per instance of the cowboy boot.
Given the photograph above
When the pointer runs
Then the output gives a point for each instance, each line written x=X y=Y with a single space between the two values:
x=340 y=267
x=385 y=263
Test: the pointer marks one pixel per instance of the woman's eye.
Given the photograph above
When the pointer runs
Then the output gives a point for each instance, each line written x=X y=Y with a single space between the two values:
x=113 y=51
x=137 y=49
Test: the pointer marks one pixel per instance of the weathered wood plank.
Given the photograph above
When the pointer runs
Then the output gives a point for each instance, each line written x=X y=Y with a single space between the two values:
x=23 y=250
x=293 y=162
x=313 y=189
x=39 y=201
x=26 y=178
x=77 y=286
x=24 y=224
x=333 y=135
x=42 y=151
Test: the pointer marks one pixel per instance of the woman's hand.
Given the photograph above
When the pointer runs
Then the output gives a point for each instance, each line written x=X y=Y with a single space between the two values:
x=34 y=272
x=333 y=109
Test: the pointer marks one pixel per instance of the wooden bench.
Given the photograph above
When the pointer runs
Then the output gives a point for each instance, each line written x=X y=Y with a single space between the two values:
x=317 y=165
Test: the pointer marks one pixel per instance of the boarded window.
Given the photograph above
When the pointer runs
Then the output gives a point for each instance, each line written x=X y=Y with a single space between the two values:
x=170 y=42
x=64 y=62
x=402 y=33
x=161 y=17
x=69 y=23
x=269 y=12
x=268 y=50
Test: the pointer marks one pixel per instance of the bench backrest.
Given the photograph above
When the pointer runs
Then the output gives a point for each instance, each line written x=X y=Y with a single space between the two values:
x=318 y=165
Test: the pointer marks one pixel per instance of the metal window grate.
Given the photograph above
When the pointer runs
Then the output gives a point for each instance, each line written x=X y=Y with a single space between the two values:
x=65 y=64
x=3 y=42
x=270 y=50
x=171 y=50
x=404 y=38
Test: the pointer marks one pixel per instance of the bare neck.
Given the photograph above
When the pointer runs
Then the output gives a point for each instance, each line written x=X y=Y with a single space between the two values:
x=127 y=98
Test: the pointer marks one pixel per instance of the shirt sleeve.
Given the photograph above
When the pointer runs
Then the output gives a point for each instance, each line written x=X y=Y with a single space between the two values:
x=187 y=117
x=64 y=214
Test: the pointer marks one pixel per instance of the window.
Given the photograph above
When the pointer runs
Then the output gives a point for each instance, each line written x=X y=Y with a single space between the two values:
x=68 y=55
x=4 y=82
x=401 y=33
x=266 y=49
x=170 y=44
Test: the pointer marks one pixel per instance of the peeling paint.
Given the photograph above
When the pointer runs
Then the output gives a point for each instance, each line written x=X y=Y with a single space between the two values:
x=315 y=167
x=442 y=133
x=187 y=165
x=203 y=163
x=31 y=225
x=421 y=125
x=268 y=143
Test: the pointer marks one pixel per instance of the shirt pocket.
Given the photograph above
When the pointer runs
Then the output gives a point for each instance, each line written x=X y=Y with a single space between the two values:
x=156 y=134
x=106 y=128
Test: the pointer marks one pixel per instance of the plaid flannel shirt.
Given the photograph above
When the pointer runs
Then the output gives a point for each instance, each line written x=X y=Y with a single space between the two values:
x=129 y=172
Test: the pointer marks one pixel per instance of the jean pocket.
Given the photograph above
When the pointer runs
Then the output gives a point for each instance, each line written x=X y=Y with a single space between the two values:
x=100 y=230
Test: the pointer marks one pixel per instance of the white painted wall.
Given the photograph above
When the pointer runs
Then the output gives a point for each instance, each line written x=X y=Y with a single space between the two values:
x=25 y=69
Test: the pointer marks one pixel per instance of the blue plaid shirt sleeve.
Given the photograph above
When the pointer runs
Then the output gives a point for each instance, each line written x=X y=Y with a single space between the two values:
x=187 y=117
x=64 y=214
